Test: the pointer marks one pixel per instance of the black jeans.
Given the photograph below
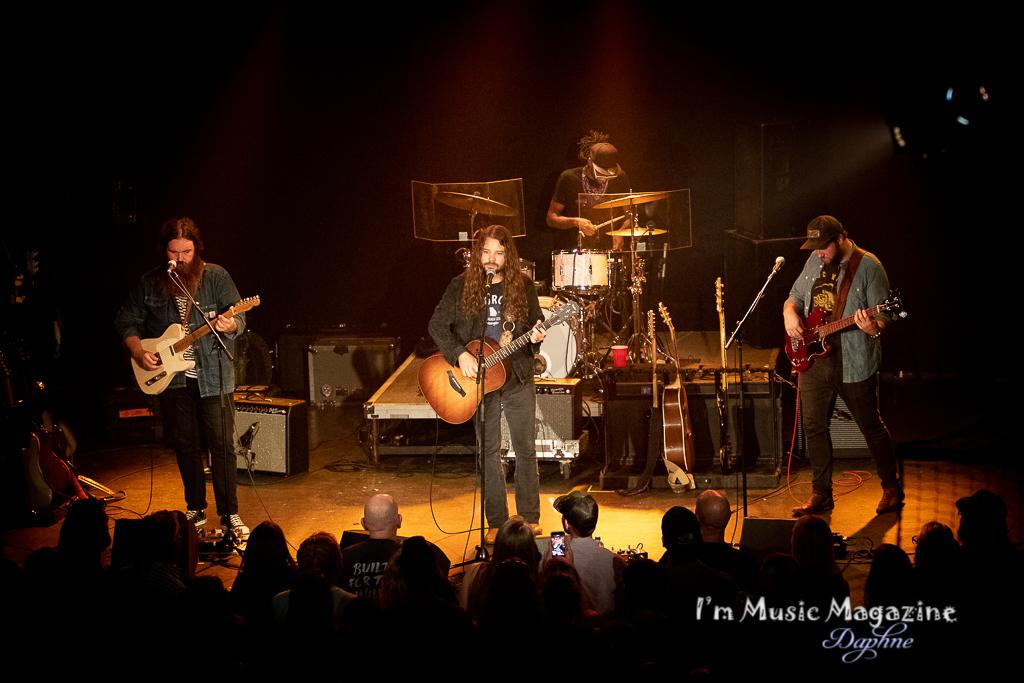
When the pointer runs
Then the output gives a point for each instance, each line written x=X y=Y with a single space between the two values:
x=188 y=416
x=819 y=386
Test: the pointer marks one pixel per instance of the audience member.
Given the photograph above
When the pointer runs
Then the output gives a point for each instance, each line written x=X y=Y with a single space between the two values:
x=600 y=569
x=713 y=513
x=364 y=562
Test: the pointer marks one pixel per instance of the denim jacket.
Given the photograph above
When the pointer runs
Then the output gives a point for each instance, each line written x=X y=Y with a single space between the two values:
x=147 y=314
x=862 y=354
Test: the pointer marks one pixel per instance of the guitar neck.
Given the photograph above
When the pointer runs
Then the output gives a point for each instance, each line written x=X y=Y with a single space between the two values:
x=194 y=336
x=514 y=345
x=831 y=328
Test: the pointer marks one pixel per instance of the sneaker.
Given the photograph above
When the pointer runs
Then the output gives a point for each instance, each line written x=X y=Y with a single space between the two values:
x=233 y=524
x=197 y=517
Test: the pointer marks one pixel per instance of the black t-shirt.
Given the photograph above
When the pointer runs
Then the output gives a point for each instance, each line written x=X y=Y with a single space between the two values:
x=567 y=193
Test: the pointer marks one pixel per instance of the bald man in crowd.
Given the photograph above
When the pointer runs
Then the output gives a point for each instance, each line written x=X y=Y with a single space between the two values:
x=713 y=513
x=364 y=562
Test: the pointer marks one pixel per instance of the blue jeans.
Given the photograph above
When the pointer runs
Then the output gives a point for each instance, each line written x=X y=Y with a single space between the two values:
x=186 y=414
x=819 y=386
x=519 y=403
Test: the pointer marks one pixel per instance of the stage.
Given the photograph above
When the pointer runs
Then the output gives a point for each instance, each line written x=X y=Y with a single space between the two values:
x=948 y=448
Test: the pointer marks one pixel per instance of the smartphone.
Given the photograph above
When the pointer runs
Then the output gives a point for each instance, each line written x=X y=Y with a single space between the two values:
x=558 y=544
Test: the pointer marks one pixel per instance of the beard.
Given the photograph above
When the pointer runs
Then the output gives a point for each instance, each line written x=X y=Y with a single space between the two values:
x=189 y=273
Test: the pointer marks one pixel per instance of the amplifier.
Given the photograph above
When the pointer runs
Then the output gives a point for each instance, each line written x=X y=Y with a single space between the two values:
x=559 y=420
x=280 y=444
x=348 y=370
x=847 y=439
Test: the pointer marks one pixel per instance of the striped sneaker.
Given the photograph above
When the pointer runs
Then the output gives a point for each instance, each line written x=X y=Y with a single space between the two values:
x=197 y=517
x=232 y=524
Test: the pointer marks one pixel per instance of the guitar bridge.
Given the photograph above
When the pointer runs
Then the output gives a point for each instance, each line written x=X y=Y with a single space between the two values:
x=455 y=384
x=155 y=378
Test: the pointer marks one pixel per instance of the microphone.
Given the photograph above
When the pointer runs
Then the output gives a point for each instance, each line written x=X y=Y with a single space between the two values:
x=246 y=439
x=490 y=276
x=779 y=262
x=171 y=265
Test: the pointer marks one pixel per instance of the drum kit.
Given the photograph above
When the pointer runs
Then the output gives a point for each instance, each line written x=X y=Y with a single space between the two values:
x=593 y=278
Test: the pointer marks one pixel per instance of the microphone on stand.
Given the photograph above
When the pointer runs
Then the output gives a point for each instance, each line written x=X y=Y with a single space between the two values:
x=779 y=262
x=171 y=265
x=490 y=277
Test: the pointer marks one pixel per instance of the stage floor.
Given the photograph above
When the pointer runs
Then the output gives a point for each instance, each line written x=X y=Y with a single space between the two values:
x=948 y=448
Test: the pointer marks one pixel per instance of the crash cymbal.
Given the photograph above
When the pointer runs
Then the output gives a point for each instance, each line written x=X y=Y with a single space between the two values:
x=472 y=202
x=641 y=198
x=637 y=233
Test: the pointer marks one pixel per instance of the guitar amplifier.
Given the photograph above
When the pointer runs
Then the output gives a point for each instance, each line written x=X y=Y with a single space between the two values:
x=559 y=420
x=347 y=370
x=847 y=439
x=281 y=442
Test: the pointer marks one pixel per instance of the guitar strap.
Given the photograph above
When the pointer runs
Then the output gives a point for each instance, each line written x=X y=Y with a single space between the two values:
x=844 y=289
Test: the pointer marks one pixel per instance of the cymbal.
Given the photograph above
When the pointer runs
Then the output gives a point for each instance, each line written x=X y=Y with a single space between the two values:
x=639 y=232
x=641 y=198
x=472 y=202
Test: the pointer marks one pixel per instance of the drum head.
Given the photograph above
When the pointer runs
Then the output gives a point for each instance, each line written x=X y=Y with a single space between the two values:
x=560 y=348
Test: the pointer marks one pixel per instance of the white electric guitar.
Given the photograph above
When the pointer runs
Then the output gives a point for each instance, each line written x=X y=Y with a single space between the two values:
x=170 y=348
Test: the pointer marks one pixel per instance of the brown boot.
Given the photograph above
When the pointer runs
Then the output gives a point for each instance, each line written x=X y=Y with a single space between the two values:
x=892 y=500
x=815 y=506
x=492 y=536
x=537 y=530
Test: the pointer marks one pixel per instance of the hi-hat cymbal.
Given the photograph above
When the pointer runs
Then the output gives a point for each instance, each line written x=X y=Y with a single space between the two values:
x=639 y=232
x=472 y=202
x=641 y=198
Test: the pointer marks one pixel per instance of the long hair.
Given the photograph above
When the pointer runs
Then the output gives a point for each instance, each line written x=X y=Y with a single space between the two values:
x=588 y=141
x=181 y=229
x=514 y=301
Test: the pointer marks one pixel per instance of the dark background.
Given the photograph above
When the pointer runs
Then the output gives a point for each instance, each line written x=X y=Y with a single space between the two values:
x=291 y=134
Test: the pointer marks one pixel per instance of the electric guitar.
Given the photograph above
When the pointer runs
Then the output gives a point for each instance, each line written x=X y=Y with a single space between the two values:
x=170 y=347
x=453 y=396
x=722 y=389
x=812 y=343
x=679 y=448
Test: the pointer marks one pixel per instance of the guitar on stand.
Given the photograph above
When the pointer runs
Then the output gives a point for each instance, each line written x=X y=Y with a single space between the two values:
x=725 y=445
x=678 y=435
x=169 y=349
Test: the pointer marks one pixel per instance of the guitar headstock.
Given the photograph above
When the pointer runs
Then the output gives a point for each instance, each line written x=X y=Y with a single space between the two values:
x=562 y=311
x=894 y=303
x=246 y=304
x=718 y=294
x=665 y=316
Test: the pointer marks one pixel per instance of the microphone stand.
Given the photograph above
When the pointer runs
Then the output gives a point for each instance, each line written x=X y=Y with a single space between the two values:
x=740 y=409
x=219 y=348
x=481 y=432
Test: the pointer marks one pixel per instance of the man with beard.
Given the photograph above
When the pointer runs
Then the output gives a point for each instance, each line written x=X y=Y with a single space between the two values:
x=193 y=401
x=507 y=309
x=851 y=370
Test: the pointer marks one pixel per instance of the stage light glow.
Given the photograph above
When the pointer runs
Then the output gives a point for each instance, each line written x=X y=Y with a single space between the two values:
x=949 y=94
x=962 y=121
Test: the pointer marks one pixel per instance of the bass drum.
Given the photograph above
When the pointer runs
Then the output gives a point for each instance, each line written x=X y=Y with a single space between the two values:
x=561 y=348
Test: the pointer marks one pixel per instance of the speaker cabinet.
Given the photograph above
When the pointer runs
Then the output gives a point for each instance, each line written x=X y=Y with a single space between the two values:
x=847 y=439
x=348 y=370
x=559 y=419
x=281 y=443
x=762 y=537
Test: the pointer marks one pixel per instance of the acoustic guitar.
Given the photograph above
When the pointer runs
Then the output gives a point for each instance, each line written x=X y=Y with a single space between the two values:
x=453 y=396
x=679 y=448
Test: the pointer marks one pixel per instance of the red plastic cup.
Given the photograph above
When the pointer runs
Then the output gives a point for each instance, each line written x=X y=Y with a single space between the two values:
x=619 y=353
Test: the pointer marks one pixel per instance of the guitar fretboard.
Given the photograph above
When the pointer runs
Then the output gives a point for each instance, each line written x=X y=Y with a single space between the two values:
x=823 y=331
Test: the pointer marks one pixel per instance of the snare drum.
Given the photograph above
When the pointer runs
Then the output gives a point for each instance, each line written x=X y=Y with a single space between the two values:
x=579 y=270
x=563 y=345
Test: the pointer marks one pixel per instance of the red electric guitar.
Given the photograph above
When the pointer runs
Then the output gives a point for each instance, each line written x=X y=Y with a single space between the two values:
x=812 y=344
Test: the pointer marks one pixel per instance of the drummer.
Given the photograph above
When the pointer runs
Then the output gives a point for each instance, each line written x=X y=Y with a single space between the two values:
x=600 y=175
